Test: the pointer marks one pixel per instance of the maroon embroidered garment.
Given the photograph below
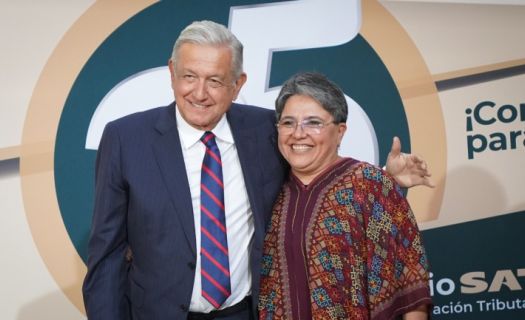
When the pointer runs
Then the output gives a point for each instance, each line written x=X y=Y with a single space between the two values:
x=344 y=247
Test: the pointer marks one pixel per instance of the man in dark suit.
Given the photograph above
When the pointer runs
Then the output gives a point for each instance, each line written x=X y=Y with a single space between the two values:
x=146 y=255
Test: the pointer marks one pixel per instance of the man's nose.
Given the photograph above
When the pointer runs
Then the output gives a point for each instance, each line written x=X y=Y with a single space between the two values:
x=200 y=90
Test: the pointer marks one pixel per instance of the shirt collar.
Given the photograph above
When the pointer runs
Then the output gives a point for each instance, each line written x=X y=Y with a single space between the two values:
x=189 y=135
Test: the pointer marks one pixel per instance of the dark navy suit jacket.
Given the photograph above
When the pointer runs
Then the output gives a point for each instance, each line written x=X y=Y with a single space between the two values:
x=143 y=202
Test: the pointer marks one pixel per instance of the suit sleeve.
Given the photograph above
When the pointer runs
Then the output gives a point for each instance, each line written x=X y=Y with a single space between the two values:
x=104 y=287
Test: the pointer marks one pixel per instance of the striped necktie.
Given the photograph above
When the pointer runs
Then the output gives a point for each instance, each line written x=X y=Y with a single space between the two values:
x=215 y=267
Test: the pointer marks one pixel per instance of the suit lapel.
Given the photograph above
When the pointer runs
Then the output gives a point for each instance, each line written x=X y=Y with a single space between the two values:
x=246 y=143
x=169 y=157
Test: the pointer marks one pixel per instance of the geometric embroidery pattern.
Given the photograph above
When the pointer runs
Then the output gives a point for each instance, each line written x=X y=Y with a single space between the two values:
x=365 y=254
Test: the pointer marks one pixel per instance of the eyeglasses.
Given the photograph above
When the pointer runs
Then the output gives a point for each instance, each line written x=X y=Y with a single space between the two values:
x=211 y=83
x=309 y=126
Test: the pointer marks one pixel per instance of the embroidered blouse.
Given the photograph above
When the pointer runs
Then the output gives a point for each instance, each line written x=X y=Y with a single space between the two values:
x=346 y=246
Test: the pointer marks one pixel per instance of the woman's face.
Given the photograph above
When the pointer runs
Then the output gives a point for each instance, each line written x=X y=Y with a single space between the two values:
x=308 y=137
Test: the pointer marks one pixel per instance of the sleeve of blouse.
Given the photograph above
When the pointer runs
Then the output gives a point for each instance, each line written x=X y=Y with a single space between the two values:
x=396 y=261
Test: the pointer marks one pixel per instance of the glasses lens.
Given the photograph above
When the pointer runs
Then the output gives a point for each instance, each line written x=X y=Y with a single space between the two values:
x=309 y=126
x=286 y=126
x=312 y=126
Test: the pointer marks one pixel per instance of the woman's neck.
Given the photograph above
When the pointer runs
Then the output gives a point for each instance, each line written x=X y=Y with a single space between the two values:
x=307 y=177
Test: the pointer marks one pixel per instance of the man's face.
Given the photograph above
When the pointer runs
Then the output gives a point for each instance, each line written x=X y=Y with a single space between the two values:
x=203 y=84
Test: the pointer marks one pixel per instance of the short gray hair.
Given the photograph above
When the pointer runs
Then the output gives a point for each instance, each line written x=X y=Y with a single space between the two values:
x=317 y=87
x=211 y=33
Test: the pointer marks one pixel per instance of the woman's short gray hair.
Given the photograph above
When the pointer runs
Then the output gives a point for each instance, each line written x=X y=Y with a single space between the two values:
x=211 y=33
x=317 y=87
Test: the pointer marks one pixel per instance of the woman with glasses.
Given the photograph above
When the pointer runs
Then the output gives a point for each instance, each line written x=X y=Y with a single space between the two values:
x=342 y=242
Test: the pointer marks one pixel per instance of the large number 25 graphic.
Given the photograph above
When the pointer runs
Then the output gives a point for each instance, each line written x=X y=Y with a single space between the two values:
x=292 y=25
x=263 y=29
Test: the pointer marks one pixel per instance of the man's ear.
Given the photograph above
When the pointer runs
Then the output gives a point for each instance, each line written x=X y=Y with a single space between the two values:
x=171 y=66
x=238 y=84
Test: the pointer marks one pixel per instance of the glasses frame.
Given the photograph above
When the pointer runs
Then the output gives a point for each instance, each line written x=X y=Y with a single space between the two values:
x=307 y=125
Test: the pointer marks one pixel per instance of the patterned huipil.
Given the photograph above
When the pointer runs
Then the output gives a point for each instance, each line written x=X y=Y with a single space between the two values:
x=346 y=246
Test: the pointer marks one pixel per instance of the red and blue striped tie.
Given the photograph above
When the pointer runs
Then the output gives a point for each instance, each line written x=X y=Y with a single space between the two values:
x=215 y=267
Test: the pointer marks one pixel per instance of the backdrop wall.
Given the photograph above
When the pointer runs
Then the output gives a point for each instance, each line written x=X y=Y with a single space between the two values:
x=447 y=77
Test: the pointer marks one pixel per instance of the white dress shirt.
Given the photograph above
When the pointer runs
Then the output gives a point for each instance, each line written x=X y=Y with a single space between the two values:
x=239 y=217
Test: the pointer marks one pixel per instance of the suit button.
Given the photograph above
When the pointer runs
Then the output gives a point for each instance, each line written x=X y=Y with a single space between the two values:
x=191 y=265
x=183 y=307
